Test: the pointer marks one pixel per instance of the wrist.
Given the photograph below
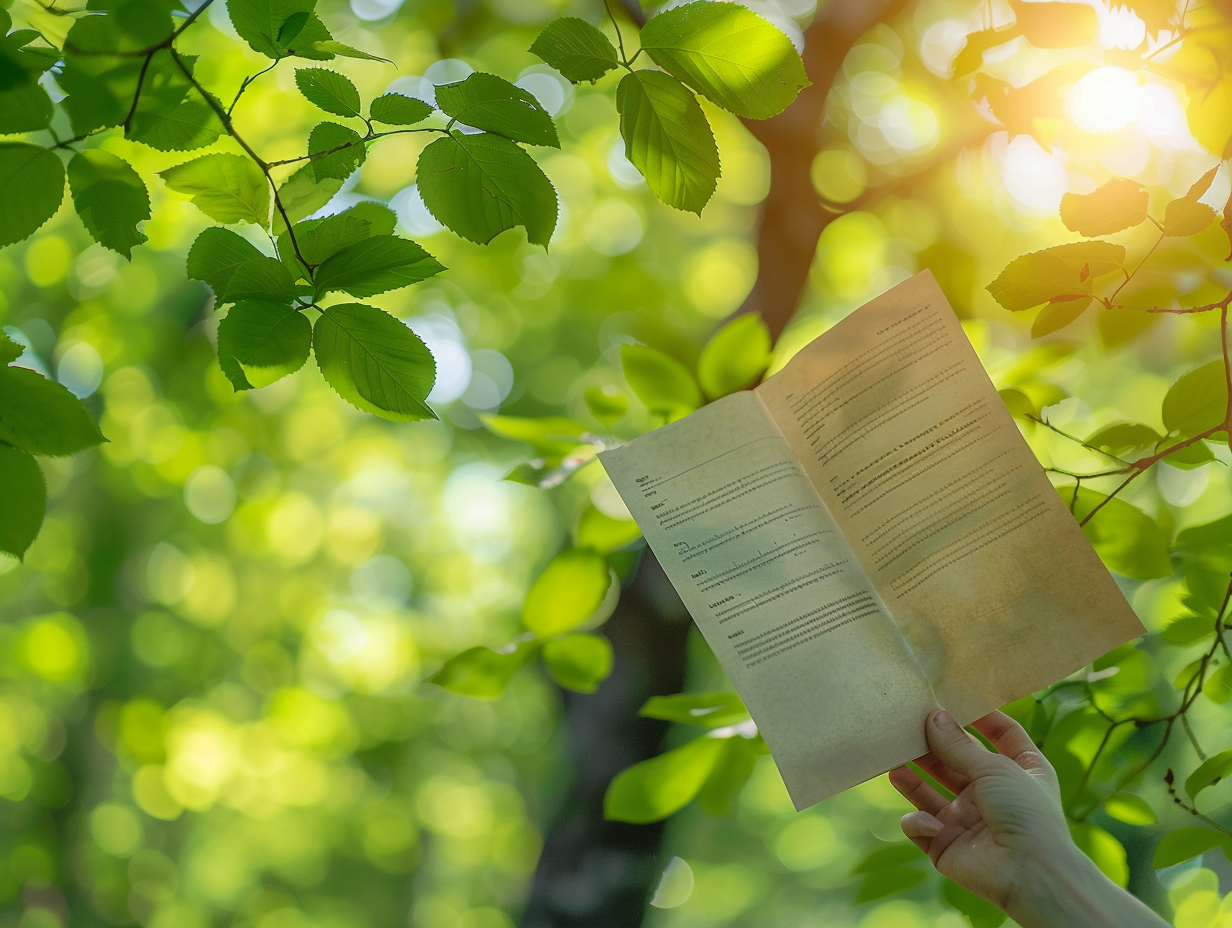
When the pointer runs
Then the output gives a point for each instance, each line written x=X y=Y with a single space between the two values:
x=1062 y=889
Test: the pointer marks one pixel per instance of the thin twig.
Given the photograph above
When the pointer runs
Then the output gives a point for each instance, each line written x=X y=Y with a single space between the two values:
x=1048 y=425
x=261 y=164
x=248 y=80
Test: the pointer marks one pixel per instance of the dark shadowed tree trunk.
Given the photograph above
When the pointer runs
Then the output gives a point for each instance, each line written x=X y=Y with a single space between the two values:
x=599 y=874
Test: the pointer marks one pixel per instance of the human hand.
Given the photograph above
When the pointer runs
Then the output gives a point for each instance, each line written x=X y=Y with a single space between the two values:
x=1003 y=836
x=1006 y=810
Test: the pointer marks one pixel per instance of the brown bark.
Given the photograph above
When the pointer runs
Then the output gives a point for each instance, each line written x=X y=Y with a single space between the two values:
x=792 y=216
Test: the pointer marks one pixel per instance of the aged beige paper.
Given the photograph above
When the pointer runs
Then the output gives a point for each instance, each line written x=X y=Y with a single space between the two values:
x=866 y=537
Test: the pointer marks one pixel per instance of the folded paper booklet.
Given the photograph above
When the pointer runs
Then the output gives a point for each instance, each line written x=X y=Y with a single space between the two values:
x=867 y=537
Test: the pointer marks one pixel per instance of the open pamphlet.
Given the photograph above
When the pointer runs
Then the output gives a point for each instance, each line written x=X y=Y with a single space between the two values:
x=865 y=538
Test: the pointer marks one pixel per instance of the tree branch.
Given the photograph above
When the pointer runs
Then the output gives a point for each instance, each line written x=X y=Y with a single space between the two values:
x=261 y=164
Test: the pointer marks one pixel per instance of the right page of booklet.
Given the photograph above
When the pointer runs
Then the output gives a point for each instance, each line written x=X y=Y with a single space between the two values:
x=975 y=555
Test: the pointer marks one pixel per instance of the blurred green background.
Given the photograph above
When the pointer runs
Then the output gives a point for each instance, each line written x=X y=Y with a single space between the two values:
x=211 y=707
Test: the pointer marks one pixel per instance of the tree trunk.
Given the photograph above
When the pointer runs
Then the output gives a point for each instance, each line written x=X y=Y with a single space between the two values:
x=594 y=873
x=599 y=874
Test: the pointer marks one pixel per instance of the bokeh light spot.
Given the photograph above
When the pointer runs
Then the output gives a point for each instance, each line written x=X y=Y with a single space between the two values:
x=209 y=494
x=1104 y=100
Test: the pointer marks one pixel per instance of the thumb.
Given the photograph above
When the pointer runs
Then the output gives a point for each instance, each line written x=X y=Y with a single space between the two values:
x=955 y=748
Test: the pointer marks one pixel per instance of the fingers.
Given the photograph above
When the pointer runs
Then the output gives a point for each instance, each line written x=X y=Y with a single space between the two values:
x=952 y=781
x=955 y=748
x=921 y=828
x=1006 y=735
x=916 y=791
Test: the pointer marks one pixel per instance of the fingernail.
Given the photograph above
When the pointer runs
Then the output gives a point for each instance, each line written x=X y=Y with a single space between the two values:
x=944 y=721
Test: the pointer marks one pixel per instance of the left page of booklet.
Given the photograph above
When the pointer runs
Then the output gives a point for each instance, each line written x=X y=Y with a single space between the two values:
x=778 y=594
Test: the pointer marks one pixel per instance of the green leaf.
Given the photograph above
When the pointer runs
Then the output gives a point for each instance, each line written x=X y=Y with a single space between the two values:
x=728 y=53
x=23 y=500
x=731 y=772
x=216 y=254
x=607 y=403
x=374 y=361
x=662 y=383
x=227 y=188
x=375 y=265
x=1217 y=687
x=1116 y=205
x=889 y=883
x=1186 y=843
x=485 y=101
x=1127 y=540
x=24 y=107
x=1106 y=851
x=302 y=194
x=668 y=139
x=1130 y=808
x=888 y=857
x=576 y=49
x=600 y=532
x=292 y=26
x=710 y=710
x=261 y=278
x=319 y=239
x=481 y=185
x=268 y=340
x=1054 y=274
x=1184 y=630
x=1056 y=25
x=656 y=788
x=32 y=179
x=394 y=109
x=1122 y=437
x=10 y=350
x=1197 y=401
x=1209 y=772
x=980 y=913
x=329 y=90
x=1209 y=538
x=481 y=672
x=40 y=416
x=551 y=435
x=337 y=151
x=192 y=124
x=110 y=198
x=1018 y=403
x=1186 y=216
x=329 y=48
x=567 y=594
x=579 y=662
x=259 y=22
x=1057 y=315
x=735 y=357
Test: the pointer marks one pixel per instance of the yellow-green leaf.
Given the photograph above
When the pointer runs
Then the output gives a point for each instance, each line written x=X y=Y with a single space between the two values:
x=1063 y=271
x=1197 y=401
x=1130 y=808
x=568 y=592
x=1186 y=843
x=578 y=662
x=662 y=383
x=1209 y=772
x=735 y=357
x=481 y=672
x=1116 y=205
x=656 y=788
x=1126 y=538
